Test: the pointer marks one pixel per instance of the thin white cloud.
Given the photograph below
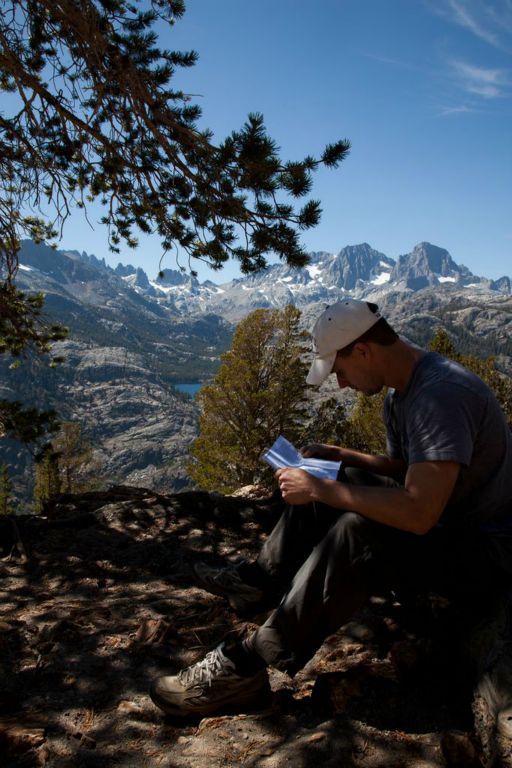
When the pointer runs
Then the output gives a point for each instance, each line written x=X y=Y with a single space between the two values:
x=486 y=91
x=479 y=74
x=390 y=60
x=463 y=109
x=481 y=81
x=500 y=15
x=489 y=20
x=464 y=14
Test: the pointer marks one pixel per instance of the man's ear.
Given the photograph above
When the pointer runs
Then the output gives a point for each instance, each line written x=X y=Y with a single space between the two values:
x=361 y=349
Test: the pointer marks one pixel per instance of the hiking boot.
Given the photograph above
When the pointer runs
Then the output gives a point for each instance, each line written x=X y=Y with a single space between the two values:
x=226 y=582
x=208 y=686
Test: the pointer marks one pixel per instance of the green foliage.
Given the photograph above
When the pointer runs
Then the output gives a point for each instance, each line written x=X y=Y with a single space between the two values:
x=442 y=344
x=47 y=481
x=76 y=467
x=365 y=429
x=360 y=427
x=23 y=329
x=328 y=423
x=485 y=368
x=22 y=326
x=65 y=466
x=25 y=424
x=258 y=393
x=5 y=490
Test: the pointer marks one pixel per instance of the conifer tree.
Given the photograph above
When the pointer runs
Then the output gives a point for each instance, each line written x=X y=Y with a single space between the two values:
x=328 y=423
x=75 y=463
x=258 y=393
x=47 y=481
x=24 y=423
x=95 y=115
x=365 y=430
x=442 y=344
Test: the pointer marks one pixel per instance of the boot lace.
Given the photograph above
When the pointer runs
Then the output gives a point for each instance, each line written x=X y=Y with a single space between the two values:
x=213 y=665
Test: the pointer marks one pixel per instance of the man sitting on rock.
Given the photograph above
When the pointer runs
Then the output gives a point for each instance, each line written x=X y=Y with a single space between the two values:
x=434 y=513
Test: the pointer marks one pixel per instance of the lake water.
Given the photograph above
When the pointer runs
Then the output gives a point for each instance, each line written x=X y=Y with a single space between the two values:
x=189 y=388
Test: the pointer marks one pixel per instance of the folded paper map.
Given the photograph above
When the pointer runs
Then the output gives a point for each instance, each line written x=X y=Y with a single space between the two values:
x=284 y=454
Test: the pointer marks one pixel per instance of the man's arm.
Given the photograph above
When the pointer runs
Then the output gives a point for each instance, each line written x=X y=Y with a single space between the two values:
x=416 y=507
x=380 y=465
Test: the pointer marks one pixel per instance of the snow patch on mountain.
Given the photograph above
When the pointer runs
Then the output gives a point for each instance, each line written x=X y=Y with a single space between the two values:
x=357 y=270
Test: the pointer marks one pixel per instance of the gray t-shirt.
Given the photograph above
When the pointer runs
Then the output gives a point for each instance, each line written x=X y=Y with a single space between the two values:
x=447 y=413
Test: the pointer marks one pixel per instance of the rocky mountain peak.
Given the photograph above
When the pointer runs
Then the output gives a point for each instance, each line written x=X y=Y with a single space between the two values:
x=356 y=264
x=358 y=269
x=427 y=265
x=62 y=266
x=123 y=270
x=172 y=277
x=141 y=279
x=89 y=258
x=503 y=284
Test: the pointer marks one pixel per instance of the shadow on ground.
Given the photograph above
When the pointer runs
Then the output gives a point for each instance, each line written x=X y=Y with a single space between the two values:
x=97 y=599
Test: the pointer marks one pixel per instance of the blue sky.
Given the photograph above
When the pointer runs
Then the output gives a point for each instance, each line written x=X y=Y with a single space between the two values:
x=421 y=88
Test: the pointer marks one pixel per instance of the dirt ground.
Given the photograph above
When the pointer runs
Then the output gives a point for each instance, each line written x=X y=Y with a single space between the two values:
x=97 y=599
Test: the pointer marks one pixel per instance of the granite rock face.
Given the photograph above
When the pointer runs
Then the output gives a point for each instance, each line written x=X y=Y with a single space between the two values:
x=139 y=427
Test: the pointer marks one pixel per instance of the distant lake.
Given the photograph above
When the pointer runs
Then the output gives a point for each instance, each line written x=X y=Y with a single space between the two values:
x=189 y=389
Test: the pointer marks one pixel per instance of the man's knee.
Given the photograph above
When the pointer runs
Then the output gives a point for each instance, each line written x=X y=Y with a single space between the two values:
x=352 y=523
x=353 y=534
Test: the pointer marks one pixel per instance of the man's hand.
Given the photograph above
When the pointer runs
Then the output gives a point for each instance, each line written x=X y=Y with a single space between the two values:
x=321 y=451
x=296 y=485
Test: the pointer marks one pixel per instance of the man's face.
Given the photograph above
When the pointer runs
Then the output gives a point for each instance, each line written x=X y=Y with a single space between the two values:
x=355 y=371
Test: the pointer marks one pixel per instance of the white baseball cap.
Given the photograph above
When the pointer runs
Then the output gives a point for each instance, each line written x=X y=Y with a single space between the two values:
x=339 y=325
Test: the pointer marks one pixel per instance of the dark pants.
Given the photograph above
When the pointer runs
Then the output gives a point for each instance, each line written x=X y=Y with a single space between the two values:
x=329 y=562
